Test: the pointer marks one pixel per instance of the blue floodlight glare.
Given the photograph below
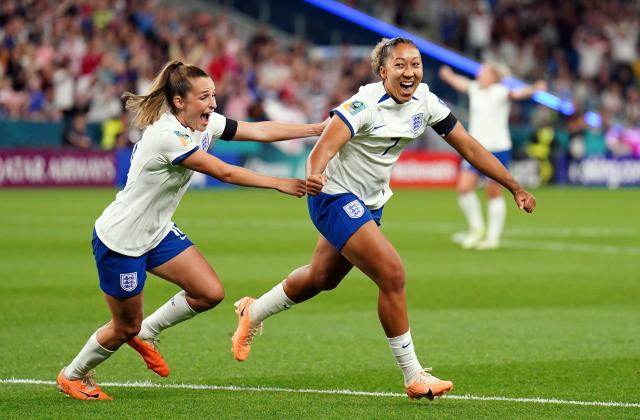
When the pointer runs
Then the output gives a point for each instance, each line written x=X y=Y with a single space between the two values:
x=592 y=119
x=442 y=54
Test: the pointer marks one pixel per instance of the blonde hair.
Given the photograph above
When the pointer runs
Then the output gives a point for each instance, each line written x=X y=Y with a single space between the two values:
x=381 y=51
x=500 y=70
x=174 y=79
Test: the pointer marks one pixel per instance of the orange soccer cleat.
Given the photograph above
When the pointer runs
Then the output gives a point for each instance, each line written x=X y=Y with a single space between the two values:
x=424 y=384
x=82 y=389
x=246 y=330
x=150 y=354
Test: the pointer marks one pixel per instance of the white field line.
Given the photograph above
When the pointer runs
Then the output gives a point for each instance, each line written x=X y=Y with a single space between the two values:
x=331 y=392
x=567 y=247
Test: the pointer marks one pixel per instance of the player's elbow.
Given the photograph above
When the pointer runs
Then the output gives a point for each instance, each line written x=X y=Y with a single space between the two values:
x=224 y=173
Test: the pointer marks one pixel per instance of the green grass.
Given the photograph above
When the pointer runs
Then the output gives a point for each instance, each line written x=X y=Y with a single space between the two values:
x=528 y=320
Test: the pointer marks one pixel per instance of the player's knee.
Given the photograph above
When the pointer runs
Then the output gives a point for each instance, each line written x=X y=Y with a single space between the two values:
x=212 y=296
x=393 y=277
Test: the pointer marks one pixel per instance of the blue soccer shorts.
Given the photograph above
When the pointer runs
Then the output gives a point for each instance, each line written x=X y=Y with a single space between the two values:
x=339 y=216
x=504 y=157
x=122 y=276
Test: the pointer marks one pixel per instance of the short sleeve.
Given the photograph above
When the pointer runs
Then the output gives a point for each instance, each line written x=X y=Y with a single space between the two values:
x=436 y=109
x=175 y=146
x=216 y=125
x=355 y=113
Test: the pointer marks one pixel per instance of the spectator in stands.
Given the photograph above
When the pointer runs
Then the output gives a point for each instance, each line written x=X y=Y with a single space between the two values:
x=76 y=134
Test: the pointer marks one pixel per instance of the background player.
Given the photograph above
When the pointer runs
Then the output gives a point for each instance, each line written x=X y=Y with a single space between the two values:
x=135 y=233
x=489 y=106
x=348 y=175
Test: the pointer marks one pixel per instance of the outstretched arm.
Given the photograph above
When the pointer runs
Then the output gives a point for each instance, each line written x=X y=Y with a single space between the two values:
x=458 y=82
x=331 y=140
x=210 y=165
x=527 y=91
x=270 y=131
x=486 y=163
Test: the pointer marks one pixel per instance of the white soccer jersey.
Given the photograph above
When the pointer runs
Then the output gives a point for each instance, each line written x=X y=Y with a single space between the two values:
x=489 y=116
x=140 y=216
x=380 y=129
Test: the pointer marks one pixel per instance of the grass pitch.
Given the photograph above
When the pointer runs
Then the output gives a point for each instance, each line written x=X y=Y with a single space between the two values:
x=554 y=314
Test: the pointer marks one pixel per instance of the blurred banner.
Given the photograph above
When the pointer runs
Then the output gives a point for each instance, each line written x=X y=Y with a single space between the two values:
x=609 y=172
x=418 y=168
x=56 y=168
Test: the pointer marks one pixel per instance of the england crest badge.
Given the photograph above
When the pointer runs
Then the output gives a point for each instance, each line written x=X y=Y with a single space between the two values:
x=416 y=123
x=128 y=281
x=354 y=209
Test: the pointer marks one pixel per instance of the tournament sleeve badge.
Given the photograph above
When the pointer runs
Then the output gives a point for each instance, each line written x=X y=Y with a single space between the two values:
x=354 y=107
x=183 y=138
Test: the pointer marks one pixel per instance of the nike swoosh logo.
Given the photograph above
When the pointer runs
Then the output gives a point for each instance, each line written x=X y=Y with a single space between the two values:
x=88 y=395
x=404 y=346
x=380 y=126
x=242 y=312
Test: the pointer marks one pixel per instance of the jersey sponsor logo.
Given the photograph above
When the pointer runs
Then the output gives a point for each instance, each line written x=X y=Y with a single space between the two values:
x=128 y=281
x=184 y=138
x=354 y=107
x=205 y=142
x=416 y=123
x=354 y=209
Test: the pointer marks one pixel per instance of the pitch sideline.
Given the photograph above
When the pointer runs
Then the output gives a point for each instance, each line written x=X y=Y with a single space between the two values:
x=17 y=381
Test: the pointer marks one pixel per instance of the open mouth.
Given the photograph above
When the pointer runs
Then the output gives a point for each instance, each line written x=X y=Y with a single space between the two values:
x=407 y=87
x=204 y=118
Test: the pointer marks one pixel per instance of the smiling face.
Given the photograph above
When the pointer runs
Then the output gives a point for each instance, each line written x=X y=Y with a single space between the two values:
x=195 y=108
x=402 y=72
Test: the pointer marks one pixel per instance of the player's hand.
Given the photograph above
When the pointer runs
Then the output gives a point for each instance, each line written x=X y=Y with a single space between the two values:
x=540 y=85
x=291 y=186
x=525 y=201
x=319 y=128
x=444 y=72
x=315 y=183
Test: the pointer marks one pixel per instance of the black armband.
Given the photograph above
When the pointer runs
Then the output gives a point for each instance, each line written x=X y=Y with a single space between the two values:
x=445 y=126
x=230 y=128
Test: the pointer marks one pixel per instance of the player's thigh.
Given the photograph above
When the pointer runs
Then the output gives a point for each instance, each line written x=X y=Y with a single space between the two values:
x=191 y=272
x=467 y=181
x=125 y=313
x=328 y=266
x=370 y=251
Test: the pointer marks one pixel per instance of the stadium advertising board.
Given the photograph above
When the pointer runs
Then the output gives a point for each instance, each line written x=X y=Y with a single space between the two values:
x=612 y=173
x=417 y=168
x=56 y=168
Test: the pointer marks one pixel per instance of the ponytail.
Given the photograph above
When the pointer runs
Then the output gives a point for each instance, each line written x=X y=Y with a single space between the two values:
x=173 y=79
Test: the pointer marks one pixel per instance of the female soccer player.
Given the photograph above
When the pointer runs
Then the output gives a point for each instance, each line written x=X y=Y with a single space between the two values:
x=135 y=233
x=348 y=175
x=489 y=105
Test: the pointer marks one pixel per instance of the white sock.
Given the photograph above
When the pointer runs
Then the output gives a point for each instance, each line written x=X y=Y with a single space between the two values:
x=173 y=312
x=402 y=349
x=91 y=355
x=272 y=302
x=497 y=213
x=470 y=205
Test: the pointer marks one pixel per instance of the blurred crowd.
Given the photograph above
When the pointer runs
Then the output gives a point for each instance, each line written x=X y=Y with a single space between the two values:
x=70 y=60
